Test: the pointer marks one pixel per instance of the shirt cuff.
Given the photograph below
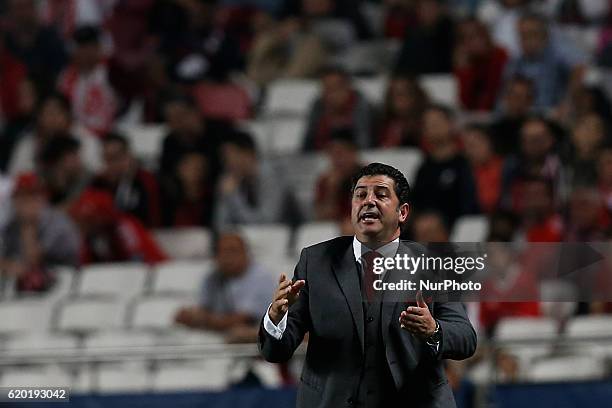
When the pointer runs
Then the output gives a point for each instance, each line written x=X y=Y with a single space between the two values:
x=272 y=329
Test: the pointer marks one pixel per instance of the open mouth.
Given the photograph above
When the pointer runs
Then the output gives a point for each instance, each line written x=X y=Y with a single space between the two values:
x=369 y=216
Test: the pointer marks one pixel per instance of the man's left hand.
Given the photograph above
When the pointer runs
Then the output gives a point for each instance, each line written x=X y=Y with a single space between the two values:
x=418 y=319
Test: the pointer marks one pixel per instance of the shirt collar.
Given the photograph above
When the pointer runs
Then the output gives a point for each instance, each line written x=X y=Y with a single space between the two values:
x=388 y=250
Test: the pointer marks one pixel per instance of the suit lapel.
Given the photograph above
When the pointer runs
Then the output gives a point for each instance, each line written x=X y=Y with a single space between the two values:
x=345 y=270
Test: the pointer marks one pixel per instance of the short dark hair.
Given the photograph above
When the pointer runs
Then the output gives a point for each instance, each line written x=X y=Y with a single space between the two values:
x=402 y=188
x=57 y=147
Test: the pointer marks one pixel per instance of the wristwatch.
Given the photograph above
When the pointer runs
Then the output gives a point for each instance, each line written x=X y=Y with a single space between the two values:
x=436 y=337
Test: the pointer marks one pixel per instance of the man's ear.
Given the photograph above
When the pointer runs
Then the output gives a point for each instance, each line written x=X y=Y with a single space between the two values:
x=404 y=212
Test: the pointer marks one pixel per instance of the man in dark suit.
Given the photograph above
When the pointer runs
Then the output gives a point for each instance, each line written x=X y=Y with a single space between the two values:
x=363 y=352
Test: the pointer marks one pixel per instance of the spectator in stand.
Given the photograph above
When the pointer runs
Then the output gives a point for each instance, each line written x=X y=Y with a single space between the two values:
x=333 y=187
x=36 y=237
x=587 y=137
x=135 y=190
x=53 y=118
x=308 y=34
x=188 y=198
x=554 y=69
x=478 y=65
x=429 y=226
x=588 y=220
x=85 y=83
x=427 y=48
x=537 y=158
x=405 y=103
x=110 y=235
x=444 y=182
x=515 y=107
x=192 y=42
x=189 y=132
x=250 y=190
x=61 y=168
x=38 y=47
x=509 y=277
x=338 y=106
x=486 y=166
x=540 y=222
x=233 y=296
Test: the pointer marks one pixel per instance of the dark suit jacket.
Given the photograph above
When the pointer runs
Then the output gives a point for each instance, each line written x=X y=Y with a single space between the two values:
x=330 y=309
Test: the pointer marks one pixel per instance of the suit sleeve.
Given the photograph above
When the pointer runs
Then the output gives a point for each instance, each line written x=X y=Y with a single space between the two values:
x=458 y=336
x=298 y=323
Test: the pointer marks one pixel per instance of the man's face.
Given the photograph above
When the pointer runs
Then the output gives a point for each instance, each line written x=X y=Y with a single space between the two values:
x=375 y=210
x=29 y=206
x=53 y=118
x=437 y=128
x=533 y=37
x=537 y=200
x=23 y=13
x=536 y=140
x=117 y=160
x=336 y=91
x=476 y=146
x=518 y=99
x=343 y=157
x=232 y=257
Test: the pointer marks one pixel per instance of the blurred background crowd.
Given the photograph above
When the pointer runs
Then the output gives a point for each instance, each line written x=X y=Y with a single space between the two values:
x=125 y=122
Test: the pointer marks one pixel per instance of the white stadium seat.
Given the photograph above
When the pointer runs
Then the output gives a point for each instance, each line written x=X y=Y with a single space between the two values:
x=313 y=233
x=267 y=240
x=120 y=280
x=290 y=96
x=441 y=89
x=287 y=135
x=40 y=342
x=157 y=312
x=373 y=89
x=567 y=368
x=181 y=276
x=24 y=316
x=405 y=160
x=470 y=228
x=590 y=328
x=86 y=315
x=185 y=243
x=210 y=375
x=526 y=328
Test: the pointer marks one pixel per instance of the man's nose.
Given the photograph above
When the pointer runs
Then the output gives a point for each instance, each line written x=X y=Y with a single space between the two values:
x=370 y=198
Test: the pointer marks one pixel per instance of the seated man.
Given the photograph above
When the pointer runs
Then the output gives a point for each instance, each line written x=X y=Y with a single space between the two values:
x=233 y=296
x=36 y=237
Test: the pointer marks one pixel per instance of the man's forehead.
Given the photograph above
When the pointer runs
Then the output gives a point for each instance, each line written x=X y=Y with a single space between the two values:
x=377 y=180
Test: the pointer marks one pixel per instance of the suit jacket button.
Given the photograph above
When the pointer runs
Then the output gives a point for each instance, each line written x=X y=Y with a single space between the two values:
x=370 y=319
x=350 y=401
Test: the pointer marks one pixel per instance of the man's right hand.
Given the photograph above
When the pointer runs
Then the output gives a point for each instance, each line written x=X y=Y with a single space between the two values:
x=286 y=294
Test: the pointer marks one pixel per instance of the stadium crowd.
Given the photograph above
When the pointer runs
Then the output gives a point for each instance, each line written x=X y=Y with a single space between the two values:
x=530 y=145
